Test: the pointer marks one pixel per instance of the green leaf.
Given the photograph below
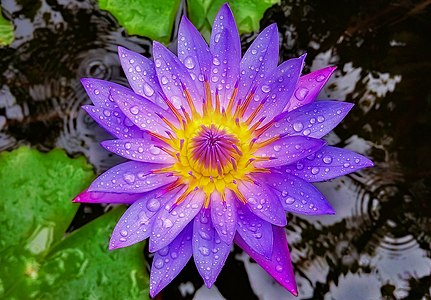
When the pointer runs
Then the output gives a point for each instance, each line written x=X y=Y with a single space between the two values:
x=247 y=13
x=153 y=19
x=6 y=31
x=37 y=260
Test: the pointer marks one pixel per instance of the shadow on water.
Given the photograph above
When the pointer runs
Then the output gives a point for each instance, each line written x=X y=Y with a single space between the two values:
x=378 y=245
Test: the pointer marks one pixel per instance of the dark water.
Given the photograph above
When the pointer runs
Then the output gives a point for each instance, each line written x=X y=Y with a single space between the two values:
x=378 y=245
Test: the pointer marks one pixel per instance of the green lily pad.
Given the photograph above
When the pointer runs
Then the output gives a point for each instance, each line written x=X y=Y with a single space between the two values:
x=6 y=31
x=153 y=19
x=247 y=13
x=37 y=259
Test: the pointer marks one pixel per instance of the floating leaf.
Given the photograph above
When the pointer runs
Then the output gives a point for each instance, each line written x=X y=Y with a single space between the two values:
x=247 y=13
x=37 y=261
x=153 y=19
x=6 y=31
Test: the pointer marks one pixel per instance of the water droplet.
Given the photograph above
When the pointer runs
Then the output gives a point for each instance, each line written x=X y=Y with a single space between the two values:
x=289 y=200
x=254 y=51
x=301 y=93
x=174 y=255
x=96 y=92
x=159 y=263
x=307 y=132
x=176 y=102
x=327 y=159
x=277 y=148
x=129 y=178
x=265 y=88
x=154 y=150
x=204 y=251
x=314 y=170
x=320 y=78
x=167 y=223
x=297 y=126
x=320 y=119
x=279 y=268
x=164 y=80
x=189 y=63
x=123 y=232
x=158 y=63
x=148 y=90
x=164 y=251
x=153 y=205
x=134 y=110
x=107 y=113
x=217 y=37
x=204 y=235
x=127 y=146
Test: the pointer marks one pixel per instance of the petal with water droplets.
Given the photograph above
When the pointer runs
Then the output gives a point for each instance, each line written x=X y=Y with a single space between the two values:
x=173 y=218
x=138 y=150
x=260 y=60
x=141 y=74
x=313 y=120
x=114 y=122
x=172 y=76
x=170 y=260
x=328 y=163
x=142 y=112
x=288 y=150
x=278 y=265
x=223 y=215
x=194 y=53
x=297 y=195
x=135 y=224
x=263 y=203
x=255 y=232
x=98 y=91
x=106 y=197
x=276 y=90
x=209 y=251
x=308 y=88
x=131 y=177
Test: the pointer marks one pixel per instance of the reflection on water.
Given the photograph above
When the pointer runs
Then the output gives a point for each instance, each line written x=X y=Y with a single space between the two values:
x=378 y=244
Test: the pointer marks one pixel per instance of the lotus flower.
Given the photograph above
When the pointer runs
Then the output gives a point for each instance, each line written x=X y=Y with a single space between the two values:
x=219 y=147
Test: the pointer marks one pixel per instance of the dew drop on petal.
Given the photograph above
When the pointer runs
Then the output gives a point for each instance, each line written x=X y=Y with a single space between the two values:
x=189 y=63
x=265 y=88
x=134 y=110
x=301 y=93
x=153 y=205
x=159 y=263
x=297 y=126
x=148 y=90
x=289 y=200
x=327 y=159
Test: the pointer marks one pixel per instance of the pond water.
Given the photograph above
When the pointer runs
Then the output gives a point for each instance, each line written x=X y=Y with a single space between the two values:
x=377 y=246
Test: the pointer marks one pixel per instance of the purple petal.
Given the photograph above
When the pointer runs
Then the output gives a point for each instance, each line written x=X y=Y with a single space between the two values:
x=308 y=88
x=225 y=46
x=138 y=150
x=263 y=203
x=297 y=195
x=225 y=21
x=169 y=261
x=194 y=53
x=256 y=232
x=278 y=265
x=288 y=150
x=209 y=251
x=135 y=224
x=101 y=197
x=131 y=177
x=114 y=122
x=314 y=120
x=98 y=91
x=172 y=219
x=172 y=76
x=141 y=74
x=142 y=112
x=260 y=60
x=327 y=163
x=223 y=215
x=276 y=89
